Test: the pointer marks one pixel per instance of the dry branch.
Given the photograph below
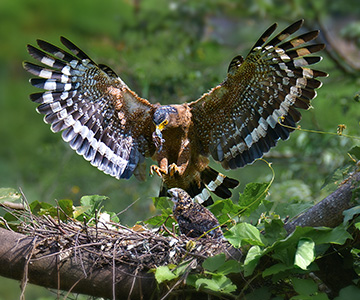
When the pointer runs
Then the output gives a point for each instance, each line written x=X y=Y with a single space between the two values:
x=80 y=274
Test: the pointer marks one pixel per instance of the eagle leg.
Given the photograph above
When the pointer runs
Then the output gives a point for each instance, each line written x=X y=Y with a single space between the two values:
x=160 y=172
x=174 y=169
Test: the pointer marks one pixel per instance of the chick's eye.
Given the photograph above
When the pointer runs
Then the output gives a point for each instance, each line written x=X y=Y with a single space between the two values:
x=165 y=122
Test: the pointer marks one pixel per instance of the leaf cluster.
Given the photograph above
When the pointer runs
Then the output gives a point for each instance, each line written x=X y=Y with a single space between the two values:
x=275 y=263
x=90 y=211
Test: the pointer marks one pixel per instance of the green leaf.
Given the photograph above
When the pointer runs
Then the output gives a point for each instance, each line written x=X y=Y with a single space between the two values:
x=262 y=293
x=230 y=266
x=79 y=211
x=254 y=193
x=113 y=217
x=331 y=182
x=162 y=203
x=36 y=207
x=252 y=258
x=357 y=225
x=163 y=273
x=191 y=279
x=11 y=220
x=9 y=194
x=219 y=265
x=304 y=286
x=212 y=263
x=317 y=296
x=64 y=210
x=275 y=269
x=156 y=220
x=181 y=268
x=224 y=208
x=349 y=292
x=326 y=235
x=243 y=233
x=94 y=202
x=305 y=253
x=320 y=235
x=350 y=213
x=218 y=283
x=355 y=151
x=159 y=220
x=274 y=230
x=67 y=207
x=284 y=255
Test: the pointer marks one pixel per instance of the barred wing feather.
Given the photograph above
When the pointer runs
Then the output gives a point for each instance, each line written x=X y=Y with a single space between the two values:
x=101 y=118
x=243 y=117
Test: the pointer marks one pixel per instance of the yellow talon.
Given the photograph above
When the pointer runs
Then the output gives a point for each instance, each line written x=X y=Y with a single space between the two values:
x=173 y=169
x=160 y=172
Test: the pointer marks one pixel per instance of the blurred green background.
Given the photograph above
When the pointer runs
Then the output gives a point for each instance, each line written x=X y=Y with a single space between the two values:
x=167 y=52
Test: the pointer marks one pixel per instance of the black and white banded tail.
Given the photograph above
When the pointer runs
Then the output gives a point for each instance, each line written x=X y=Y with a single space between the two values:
x=211 y=181
x=217 y=183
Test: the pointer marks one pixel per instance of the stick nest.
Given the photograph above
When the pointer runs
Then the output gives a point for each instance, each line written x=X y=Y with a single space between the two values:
x=108 y=243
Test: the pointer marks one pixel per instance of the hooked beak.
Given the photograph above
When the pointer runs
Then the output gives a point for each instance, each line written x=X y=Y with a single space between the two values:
x=160 y=127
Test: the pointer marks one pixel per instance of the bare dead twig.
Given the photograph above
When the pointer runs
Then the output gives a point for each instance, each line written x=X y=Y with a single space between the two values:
x=133 y=283
x=26 y=269
x=126 y=208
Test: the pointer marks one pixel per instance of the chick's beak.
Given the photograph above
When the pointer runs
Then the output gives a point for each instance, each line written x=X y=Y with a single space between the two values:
x=173 y=195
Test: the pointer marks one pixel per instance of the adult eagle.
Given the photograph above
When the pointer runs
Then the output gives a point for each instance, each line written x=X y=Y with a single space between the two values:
x=236 y=122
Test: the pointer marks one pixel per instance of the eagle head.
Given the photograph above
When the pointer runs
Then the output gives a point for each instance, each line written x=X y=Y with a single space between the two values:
x=162 y=118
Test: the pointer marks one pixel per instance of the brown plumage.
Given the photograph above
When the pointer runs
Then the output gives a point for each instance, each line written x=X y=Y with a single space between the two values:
x=194 y=219
x=236 y=122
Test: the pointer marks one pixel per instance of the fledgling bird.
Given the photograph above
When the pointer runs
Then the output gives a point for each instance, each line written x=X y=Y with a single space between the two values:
x=193 y=218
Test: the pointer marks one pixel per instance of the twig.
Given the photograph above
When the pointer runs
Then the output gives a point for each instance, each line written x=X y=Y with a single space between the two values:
x=25 y=200
x=6 y=224
x=126 y=208
x=13 y=205
x=72 y=287
x=26 y=269
x=171 y=289
x=133 y=283
x=168 y=231
x=113 y=274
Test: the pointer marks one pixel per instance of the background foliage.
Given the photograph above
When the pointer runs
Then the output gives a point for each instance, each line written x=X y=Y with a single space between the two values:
x=168 y=52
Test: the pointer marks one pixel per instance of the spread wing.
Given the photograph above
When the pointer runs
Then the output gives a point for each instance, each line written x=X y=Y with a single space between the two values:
x=239 y=120
x=101 y=118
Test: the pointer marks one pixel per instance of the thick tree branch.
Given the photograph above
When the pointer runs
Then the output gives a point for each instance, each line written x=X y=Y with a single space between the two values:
x=76 y=273
x=329 y=211
x=333 y=271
